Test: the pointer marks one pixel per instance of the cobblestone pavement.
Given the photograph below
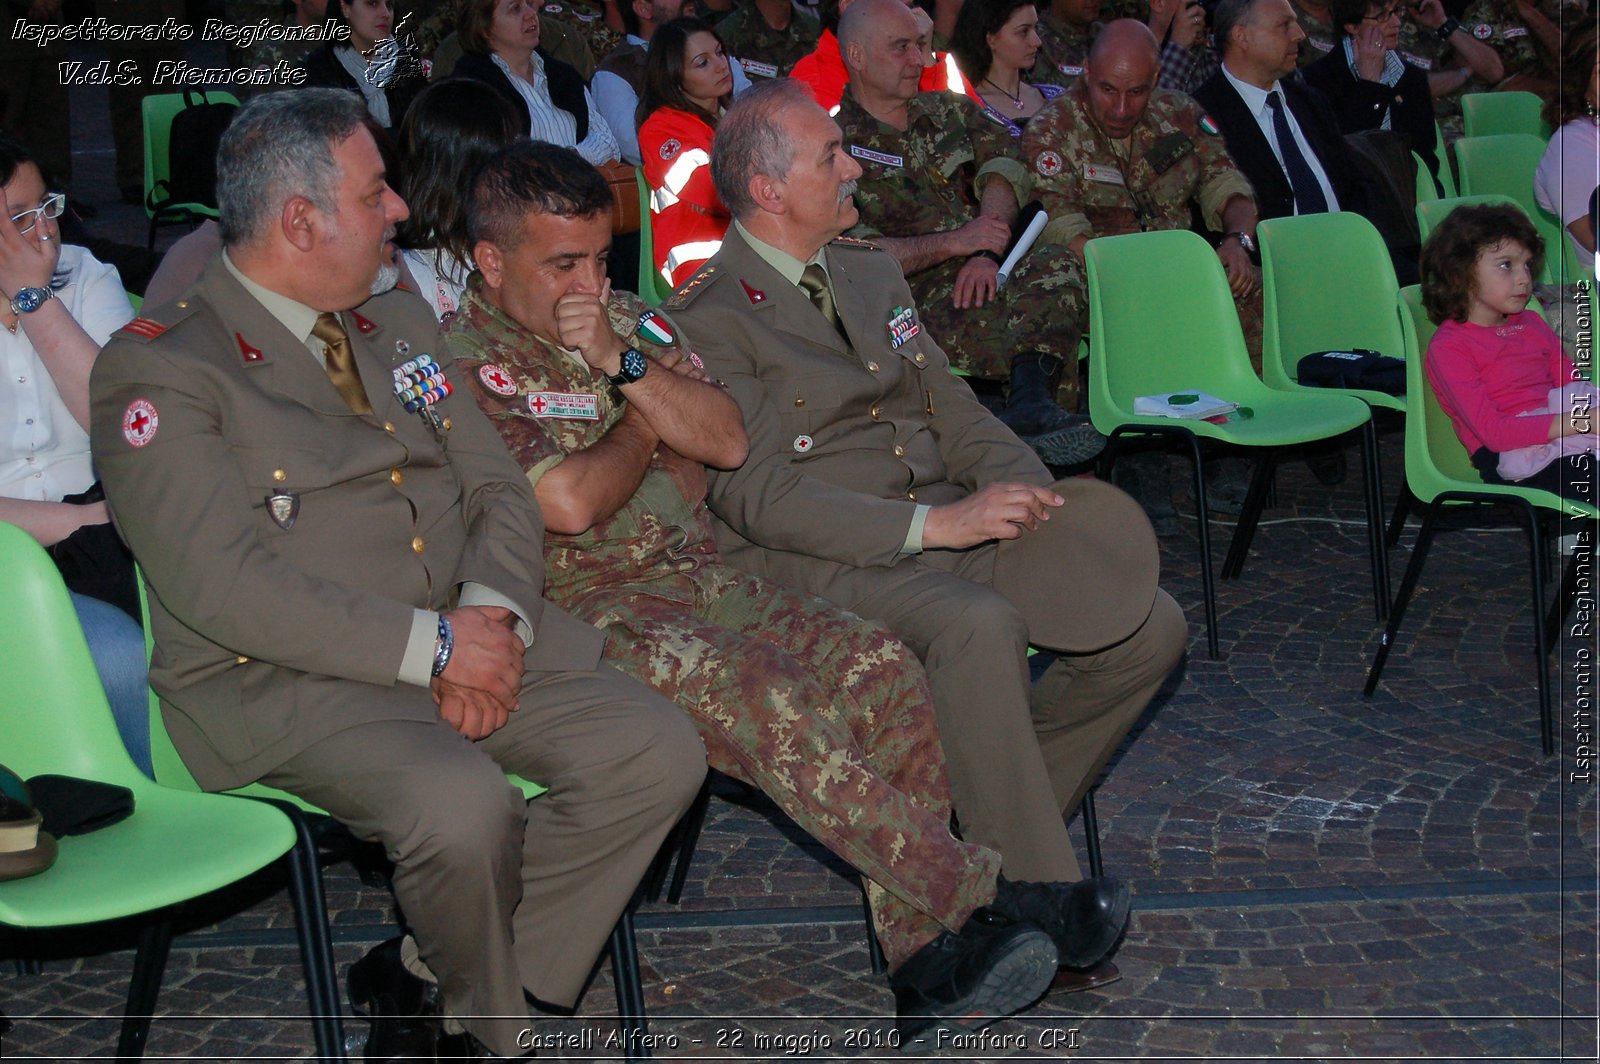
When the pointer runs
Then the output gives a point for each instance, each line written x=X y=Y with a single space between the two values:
x=1317 y=876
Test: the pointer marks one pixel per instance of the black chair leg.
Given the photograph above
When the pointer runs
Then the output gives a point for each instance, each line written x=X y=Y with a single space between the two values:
x=1372 y=482
x=1408 y=586
x=1091 y=833
x=316 y=945
x=1207 y=578
x=630 y=990
x=1249 y=515
x=1397 y=522
x=679 y=848
x=155 y=942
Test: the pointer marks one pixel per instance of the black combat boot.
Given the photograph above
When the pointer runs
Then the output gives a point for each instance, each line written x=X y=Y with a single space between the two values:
x=1061 y=438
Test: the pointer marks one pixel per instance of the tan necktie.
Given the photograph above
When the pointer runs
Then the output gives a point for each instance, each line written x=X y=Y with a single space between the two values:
x=342 y=369
x=814 y=282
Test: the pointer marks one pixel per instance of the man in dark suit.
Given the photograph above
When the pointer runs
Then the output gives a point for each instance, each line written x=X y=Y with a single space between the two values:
x=345 y=576
x=1279 y=131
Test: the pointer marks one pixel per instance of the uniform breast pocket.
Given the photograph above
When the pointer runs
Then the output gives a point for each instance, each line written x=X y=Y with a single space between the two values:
x=280 y=481
x=808 y=408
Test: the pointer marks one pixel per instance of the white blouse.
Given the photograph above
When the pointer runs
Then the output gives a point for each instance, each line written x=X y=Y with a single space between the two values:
x=553 y=125
x=44 y=452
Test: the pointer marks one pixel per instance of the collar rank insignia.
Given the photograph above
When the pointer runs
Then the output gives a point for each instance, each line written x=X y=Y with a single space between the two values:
x=363 y=325
x=247 y=352
x=755 y=295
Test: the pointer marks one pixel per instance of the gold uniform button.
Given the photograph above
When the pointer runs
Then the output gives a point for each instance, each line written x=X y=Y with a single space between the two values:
x=799 y=402
x=445 y=424
x=396 y=477
x=876 y=411
x=279 y=475
x=418 y=545
x=388 y=426
x=911 y=495
x=921 y=358
x=899 y=451
x=183 y=304
x=241 y=660
x=873 y=366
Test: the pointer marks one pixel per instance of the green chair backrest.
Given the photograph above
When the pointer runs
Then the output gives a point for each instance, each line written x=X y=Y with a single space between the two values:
x=158 y=112
x=1488 y=114
x=1328 y=284
x=1502 y=164
x=1430 y=214
x=648 y=279
x=54 y=717
x=135 y=300
x=1426 y=190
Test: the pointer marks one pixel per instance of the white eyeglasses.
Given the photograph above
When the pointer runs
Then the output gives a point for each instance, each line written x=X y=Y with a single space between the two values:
x=52 y=207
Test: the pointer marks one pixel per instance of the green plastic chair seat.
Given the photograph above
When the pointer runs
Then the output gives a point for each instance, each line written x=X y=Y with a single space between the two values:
x=1327 y=285
x=1488 y=114
x=157 y=112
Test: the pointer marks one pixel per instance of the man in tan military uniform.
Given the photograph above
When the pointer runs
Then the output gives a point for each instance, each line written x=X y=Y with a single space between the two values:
x=939 y=190
x=827 y=713
x=876 y=481
x=345 y=572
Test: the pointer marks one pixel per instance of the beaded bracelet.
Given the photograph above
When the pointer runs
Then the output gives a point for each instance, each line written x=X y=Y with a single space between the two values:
x=443 y=646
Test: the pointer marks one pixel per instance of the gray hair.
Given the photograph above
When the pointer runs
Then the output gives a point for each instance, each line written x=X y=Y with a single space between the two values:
x=749 y=142
x=1225 y=16
x=279 y=145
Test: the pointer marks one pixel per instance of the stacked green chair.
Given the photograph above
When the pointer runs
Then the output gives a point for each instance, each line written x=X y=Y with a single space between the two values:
x=1488 y=114
x=1441 y=474
x=1426 y=189
x=158 y=112
x=1504 y=165
x=1192 y=341
x=176 y=846
x=322 y=982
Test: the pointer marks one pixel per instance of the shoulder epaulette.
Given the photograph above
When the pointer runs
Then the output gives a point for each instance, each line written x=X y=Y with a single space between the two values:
x=147 y=326
x=686 y=292
x=852 y=242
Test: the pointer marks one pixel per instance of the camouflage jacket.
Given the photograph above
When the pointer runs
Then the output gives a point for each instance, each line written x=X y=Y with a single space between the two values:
x=1090 y=184
x=1321 y=35
x=547 y=403
x=1062 y=47
x=927 y=179
x=763 y=51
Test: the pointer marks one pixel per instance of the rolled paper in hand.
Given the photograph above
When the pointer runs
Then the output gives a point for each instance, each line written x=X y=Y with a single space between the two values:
x=1020 y=248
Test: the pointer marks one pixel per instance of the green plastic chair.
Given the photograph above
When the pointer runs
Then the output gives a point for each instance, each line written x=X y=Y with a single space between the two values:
x=652 y=289
x=1441 y=474
x=176 y=846
x=322 y=983
x=1488 y=114
x=1429 y=215
x=1426 y=189
x=1192 y=342
x=158 y=112
x=1503 y=165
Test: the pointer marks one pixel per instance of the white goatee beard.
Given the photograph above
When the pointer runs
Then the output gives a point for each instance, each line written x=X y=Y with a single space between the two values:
x=388 y=276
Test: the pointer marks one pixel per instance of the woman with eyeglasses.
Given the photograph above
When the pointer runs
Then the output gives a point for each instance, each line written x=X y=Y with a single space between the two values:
x=58 y=306
x=1369 y=83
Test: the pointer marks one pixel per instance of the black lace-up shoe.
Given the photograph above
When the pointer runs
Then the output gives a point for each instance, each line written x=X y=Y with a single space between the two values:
x=993 y=968
x=1085 y=919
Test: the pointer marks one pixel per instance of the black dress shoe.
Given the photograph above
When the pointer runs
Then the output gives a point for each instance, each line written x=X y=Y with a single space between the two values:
x=1086 y=919
x=993 y=968
x=404 y=1010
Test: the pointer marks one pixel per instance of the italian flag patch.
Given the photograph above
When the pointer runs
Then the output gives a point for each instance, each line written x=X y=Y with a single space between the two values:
x=1209 y=124
x=654 y=327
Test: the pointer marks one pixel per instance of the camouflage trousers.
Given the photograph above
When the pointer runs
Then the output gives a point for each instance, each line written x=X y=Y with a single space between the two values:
x=1041 y=307
x=827 y=713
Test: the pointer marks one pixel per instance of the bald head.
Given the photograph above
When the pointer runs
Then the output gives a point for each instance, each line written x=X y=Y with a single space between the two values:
x=1119 y=76
x=863 y=20
x=1125 y=40
x=878 y=40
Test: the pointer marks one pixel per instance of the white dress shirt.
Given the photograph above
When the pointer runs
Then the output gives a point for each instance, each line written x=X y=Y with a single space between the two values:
x=44 y=452
x=1256 y=101
x=553 y=125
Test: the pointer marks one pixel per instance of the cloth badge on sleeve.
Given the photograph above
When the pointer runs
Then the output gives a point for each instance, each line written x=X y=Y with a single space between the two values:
x=1483 y=31
x=145 y=327
x=669 y=148
x=903 y=326
x=139 y=422
x=654 y=327
x=876 y=156
x=802 y=443
x=1105 y=175
x=1071 y=71
x=1209 y=125
x=496 y=379
x=564 y=404
x=1513 y=32
x=1048 y=163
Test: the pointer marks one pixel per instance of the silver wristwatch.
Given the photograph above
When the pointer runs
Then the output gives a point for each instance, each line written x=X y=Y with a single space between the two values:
x=28 y=300
x=1246 y=241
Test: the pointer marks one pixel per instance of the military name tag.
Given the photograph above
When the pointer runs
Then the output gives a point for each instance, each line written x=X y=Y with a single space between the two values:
x=1511 y=33
x=761 y=70
x=283 y=507
x=876 y=156
x=1319 y=44
x=1418 y=61
x=564 y=404
x=1105 y=175
x=1070 y=70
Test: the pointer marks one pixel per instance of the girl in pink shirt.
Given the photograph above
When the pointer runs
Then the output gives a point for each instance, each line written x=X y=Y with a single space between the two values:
x=1518 y=403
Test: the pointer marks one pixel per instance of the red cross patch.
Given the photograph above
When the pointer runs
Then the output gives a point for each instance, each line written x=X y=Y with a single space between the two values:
x=538 y=404
x=755 y=295
x=802 y=444
x=497 y=380
x=139 y=422
x=1048 y=163
x=669 y=148
x=247 y=352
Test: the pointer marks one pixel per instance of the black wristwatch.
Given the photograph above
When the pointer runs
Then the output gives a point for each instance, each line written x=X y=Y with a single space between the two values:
x=634 y=366
x=1446 y=28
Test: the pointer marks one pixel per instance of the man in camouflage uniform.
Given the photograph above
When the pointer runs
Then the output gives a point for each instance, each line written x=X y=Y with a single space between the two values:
x=1066 y=30
x=922 y=156
x=603 y=404
x=768 y=37
x=1316 y=21
x=1456 y=61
